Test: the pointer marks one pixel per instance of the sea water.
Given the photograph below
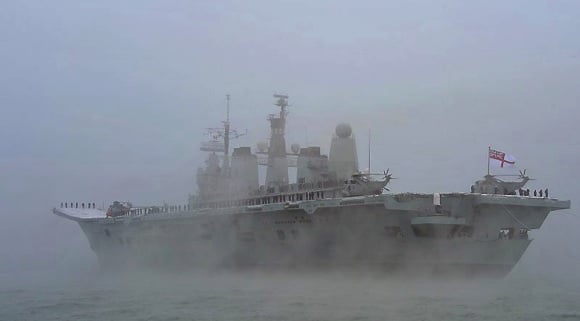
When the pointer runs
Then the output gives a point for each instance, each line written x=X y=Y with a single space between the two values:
x=251 y=295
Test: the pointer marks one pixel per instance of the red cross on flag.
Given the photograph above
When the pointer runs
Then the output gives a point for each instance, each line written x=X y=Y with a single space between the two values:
x=501 y=159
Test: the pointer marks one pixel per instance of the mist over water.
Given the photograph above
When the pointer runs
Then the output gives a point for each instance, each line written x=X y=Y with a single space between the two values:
x=109 y=100
x=288 y=296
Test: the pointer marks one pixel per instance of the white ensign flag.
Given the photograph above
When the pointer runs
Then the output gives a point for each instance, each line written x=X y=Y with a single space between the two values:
x=501 y=159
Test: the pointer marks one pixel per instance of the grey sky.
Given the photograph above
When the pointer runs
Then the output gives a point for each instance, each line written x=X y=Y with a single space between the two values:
x=105 y=100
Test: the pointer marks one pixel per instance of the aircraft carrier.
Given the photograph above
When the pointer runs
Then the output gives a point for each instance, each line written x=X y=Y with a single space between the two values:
x=331 y=215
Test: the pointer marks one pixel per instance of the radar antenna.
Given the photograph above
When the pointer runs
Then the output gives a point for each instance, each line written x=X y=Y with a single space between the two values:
x=282 y=103
x=219 y=138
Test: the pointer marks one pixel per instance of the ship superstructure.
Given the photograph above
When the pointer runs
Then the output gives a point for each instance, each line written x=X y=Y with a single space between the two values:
x=317 y=175
x=333 y=215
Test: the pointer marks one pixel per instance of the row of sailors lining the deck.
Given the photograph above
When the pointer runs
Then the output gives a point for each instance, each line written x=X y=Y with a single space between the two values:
x=179 y=208
x=139 y=210
x=537 y=193
x=76 y=205
x=309 y=196
x=301 y=185
x=521 y=192
x=160 y=209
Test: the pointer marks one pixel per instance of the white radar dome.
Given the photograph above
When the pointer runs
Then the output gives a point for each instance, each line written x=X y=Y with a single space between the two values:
x=343 y=130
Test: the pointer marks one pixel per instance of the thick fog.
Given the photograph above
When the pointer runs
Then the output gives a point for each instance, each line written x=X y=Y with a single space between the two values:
x=109 y=100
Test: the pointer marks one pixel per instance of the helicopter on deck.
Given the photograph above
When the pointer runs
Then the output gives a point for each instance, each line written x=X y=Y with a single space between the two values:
x=361 y=184
x=119 y=209
x=491 y=184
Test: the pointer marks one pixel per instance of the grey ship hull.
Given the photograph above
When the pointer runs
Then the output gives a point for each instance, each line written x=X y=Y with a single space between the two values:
x=402 y=232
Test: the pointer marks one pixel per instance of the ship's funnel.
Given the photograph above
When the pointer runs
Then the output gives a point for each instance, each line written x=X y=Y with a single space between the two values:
x=244 y=171
x=343 y=158
x=312 y=166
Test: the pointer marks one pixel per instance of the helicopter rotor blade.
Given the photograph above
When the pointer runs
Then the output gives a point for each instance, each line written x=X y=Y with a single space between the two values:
x=387 y=174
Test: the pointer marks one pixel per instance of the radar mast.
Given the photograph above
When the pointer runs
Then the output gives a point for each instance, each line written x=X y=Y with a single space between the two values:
x=220 y=138
x=277 y=172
